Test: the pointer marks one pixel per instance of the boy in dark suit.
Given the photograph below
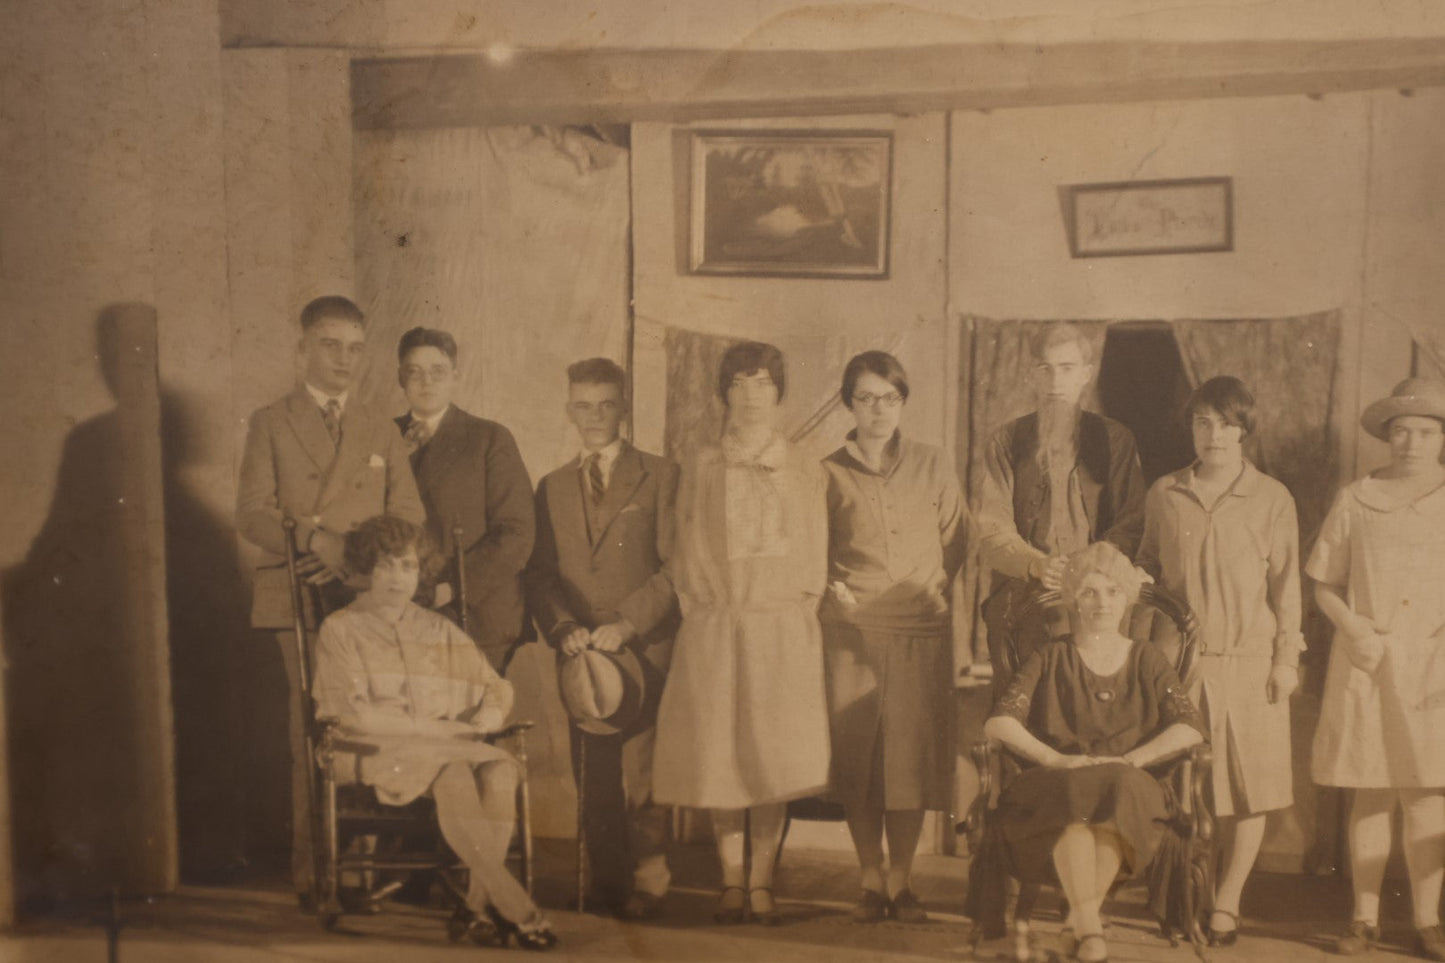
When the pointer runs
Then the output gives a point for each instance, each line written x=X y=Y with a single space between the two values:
x=470 y=473
x=604 y=532
x=330 y=462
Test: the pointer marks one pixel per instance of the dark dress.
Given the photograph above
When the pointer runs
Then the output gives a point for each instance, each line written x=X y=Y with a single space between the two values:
x=1076 y=711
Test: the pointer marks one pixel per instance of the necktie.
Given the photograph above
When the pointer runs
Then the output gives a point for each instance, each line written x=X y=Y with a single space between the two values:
x=331 y=414
x=417 y=434
x=594 y=478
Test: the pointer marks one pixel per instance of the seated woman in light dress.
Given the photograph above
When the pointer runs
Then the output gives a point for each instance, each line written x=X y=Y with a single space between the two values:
x=1090 y=714
x=1378 y=566
x=410 y=681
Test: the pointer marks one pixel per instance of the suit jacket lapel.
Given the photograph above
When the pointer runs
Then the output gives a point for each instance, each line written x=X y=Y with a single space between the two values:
x=306 y=421
x=565 y=499
x=443 y=447
x=356 y=445
x=627 y=475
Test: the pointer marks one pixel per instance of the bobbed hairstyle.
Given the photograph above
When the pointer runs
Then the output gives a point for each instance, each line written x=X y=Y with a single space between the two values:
x=747 y=358
x=330 y=306
x=1227 y=395
x=426 y=338
x=880 y=363
x=597 y=371
x=1101 y=558
x=1057 y=334
x=387 y=535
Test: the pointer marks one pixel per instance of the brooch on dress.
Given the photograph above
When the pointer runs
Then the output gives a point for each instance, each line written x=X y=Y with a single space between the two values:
x=1104 y=695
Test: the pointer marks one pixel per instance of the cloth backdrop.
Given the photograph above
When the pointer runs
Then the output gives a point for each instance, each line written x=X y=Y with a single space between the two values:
x=1289 y=366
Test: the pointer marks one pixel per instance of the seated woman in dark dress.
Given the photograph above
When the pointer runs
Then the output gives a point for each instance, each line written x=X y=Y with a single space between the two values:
x=1090 y=714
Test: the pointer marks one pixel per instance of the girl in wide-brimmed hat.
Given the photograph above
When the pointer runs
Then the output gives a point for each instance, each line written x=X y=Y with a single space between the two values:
x=1378 y=566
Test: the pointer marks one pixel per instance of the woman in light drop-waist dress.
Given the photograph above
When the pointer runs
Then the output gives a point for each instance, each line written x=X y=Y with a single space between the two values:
x=1224 y=537
x=743 y=723
x=1378 y=566
x=897 y=536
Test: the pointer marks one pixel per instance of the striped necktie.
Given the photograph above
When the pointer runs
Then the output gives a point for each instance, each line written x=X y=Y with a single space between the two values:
x=594 y=477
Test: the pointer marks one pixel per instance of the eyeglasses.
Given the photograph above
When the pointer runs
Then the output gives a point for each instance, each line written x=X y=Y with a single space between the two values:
x=867 y=399
x=436 y=372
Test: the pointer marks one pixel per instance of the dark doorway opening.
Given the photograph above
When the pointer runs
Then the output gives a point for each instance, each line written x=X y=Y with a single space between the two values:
x=1142 y=384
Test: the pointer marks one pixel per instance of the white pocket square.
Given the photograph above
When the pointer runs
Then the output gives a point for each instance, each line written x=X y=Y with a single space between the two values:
x=377 y=461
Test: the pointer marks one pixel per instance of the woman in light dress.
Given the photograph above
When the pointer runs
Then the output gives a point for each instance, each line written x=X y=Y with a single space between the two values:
x=1379 y=568
x=743 y=724
x=1224 y=537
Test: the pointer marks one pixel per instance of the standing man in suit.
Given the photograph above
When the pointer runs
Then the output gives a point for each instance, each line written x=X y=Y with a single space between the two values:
x=1054 y=481
x=470 y=473
x=326 y=460
x=604 y=531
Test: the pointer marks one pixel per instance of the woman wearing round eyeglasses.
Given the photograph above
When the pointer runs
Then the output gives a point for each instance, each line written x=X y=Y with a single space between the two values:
x=896 y=537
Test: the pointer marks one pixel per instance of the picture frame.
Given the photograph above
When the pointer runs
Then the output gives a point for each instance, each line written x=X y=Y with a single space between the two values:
x=1131 y=218
x=791 y=203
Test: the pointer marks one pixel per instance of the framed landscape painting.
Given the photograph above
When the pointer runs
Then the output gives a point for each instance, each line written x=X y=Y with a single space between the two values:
x=791 y=203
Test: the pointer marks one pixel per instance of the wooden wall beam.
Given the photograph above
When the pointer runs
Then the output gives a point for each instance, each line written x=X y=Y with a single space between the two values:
x=599 y=86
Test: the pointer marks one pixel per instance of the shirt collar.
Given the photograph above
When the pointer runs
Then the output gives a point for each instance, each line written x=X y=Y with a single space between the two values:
x=321 y=397
x=891 y=451
x=773 y=456
x=433 y=422
x=1242 y=486
x=1371 y=493
x=609 y=454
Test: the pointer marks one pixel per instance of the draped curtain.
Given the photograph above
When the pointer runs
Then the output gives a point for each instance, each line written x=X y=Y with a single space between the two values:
x=1289 y=366
x=1288 y=363
x=695 y=413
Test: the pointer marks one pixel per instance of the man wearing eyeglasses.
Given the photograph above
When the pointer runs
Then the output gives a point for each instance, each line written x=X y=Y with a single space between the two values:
x=471 y=475
x=1054 y=481
x=604 y=532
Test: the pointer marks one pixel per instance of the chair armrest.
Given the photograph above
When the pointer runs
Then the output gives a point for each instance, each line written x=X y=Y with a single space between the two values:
x=330 y=740
x=984 y=754
x=511 y=731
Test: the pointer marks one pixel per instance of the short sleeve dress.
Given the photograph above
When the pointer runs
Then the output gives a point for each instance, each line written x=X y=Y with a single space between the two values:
x=1077 y=711
x=1382 y=730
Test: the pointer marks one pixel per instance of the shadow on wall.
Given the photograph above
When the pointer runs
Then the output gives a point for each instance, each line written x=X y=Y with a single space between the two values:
x=206 y=595
x=88 y=695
